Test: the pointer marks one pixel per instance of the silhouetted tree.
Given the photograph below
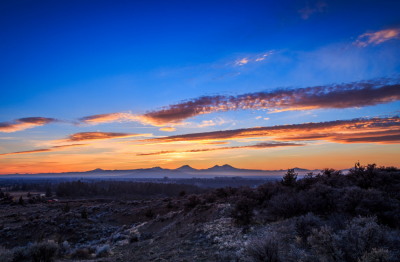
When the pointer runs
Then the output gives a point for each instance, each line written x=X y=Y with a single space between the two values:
x=169 y=205
x=48 y=192
x=149 y=212
x=66 y=208
x=20 y=201
x=84 y=214
x=289 y=179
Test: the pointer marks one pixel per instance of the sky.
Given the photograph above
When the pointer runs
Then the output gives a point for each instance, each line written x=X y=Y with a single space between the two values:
x=254 y=84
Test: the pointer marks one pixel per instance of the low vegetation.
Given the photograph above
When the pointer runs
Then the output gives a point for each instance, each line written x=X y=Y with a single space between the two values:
x=329 y=216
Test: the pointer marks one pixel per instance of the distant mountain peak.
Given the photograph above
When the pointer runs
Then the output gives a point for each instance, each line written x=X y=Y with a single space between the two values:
x=223 y=168
x=96 y=170
x=186 y=168
x=156 y=168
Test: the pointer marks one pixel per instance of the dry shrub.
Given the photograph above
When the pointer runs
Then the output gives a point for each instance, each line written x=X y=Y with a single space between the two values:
x=377 y=255
x=149 y=212
x=265 y=249
x=5 y=255
x=42 y=252
x=305 y=224
x=80 y=253
x=286 y=205
x=192 y=202
x=325 y=244
x=103 y=251
x=210 y=198
x=20 y=254
x=226 y=257
x=358 y=241
x=243 y=211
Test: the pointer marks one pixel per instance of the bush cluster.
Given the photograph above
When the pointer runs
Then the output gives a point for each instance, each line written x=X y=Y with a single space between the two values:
x=364 y=191
x=38 y=252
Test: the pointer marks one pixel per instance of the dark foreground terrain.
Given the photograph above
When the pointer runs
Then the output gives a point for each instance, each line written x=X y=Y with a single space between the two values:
x=322 y=217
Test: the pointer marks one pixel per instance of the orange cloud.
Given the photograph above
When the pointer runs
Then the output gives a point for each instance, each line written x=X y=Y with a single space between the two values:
x=377 y=37
x=97 y=136
x=168 y=129
x=108 y=118
x=215 y=143
x=256 y=146
x=25 y=123
x=43 y=150
x=357 y=94
x=341 y=131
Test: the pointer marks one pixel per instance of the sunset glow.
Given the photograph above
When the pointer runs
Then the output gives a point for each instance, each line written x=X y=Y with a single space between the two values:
x=262 y=85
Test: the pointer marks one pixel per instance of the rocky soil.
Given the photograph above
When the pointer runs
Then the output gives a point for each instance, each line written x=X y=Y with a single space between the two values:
x=160 y=229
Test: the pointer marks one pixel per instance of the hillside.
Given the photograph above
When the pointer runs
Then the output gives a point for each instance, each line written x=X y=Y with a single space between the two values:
x=328 y=216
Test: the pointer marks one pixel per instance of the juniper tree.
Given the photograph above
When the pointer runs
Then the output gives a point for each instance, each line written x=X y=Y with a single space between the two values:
x=20 y=201
x=48 y=192
x=289 y=179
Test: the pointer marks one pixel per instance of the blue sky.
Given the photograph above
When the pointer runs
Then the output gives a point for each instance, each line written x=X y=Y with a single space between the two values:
x=72 y=59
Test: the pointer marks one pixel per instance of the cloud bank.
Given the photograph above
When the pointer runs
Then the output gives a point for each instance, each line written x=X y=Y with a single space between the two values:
x=339 y=96
x=25 y=123
x=43 y=150
x=359 y=130
x=357 y=94
x=83 y=136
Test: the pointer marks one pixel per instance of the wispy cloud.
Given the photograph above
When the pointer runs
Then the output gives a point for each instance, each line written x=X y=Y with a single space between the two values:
x=378 y=37
x=307 y=11
x=213 y=122
x=25 y=123
x=359 y=130
x=253 y=58
x=107 y=118
x=255 y=146
x=83 y=136
x=242 y=61
x=339 y=96
x=44 y=149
